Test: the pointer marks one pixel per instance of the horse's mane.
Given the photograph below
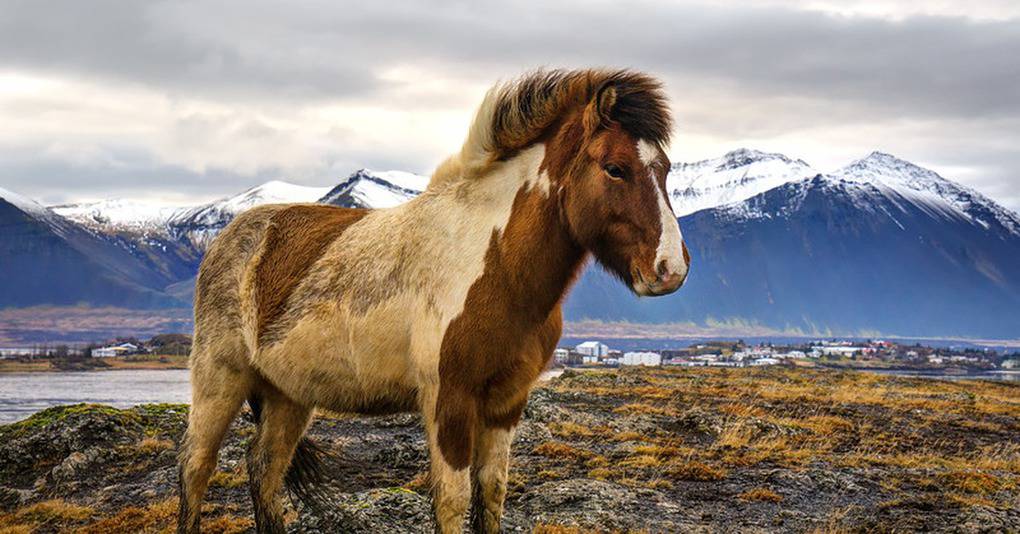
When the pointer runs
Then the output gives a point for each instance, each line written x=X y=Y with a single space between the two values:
x=515 y=114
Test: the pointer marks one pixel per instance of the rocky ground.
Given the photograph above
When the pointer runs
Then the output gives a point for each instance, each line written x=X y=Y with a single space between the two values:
x=713 y=450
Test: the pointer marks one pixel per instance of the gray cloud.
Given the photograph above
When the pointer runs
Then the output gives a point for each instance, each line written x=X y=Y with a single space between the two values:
x=920 y=65
x=735 y=73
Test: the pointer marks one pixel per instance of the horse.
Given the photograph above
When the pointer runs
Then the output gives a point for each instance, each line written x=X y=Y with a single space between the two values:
x=449 y=304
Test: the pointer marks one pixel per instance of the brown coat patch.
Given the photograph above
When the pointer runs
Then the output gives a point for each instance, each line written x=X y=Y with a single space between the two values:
x=297 y=236
x=495 y=349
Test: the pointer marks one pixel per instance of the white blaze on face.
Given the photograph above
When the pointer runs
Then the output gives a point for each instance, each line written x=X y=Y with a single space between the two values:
x=670 y=247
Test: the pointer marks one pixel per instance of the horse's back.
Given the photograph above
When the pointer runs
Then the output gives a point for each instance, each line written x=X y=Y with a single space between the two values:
x=295 y=239
x=254 y=264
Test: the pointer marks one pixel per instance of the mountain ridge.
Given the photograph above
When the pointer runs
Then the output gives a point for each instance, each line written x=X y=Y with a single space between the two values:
x=755 y=221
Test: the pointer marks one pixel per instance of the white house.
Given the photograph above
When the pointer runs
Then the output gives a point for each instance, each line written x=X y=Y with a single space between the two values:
x=764 y=361
x=561 y=355
x=14 y=352
x=593 y=348
x=115 y=350
x=839 y=350
x=648 y=359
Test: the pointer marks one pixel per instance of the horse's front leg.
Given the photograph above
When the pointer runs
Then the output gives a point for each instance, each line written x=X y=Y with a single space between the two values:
x=491 y=463
x=450 y=426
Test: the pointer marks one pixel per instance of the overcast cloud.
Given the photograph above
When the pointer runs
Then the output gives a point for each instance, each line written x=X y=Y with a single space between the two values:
x=177 y=100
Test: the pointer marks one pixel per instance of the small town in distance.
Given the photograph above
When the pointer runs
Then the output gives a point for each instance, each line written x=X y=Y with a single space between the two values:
x=872 y=354
x=171 y=350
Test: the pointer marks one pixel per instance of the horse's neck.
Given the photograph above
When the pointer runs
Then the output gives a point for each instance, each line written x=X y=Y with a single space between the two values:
x=536 y=258
x=501 y=231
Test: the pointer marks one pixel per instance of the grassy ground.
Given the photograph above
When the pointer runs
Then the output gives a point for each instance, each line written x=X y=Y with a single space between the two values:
x=636 y=450
x=957 y=439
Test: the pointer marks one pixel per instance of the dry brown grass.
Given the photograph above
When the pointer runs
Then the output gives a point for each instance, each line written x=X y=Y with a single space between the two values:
x=152 y=518
x=642 y=408
x=641 y=461
x=568 y=429
x=420 y=482
x=760 y=495
x=545 y=528
x=227 y=524
x=695 y=470
x=556 y=529
x=228 y=479
x=628 y=436
x=664 y=451
x=53 y=514
x=973 y=481
x=558 y=450
x=953 y=431
x=152 y=445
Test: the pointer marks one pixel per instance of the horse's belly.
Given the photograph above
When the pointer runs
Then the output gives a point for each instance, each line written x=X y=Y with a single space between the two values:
x=347 y=364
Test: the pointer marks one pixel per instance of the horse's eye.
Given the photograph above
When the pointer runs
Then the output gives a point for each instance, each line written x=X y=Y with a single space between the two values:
x=614 y=172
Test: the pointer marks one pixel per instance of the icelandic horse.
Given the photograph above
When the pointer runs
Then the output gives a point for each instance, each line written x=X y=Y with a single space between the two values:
x=449 y=305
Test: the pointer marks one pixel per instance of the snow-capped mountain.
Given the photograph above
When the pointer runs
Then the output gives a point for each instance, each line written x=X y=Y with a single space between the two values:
x=47 y=259
x=371 y=189
x=736 y=176
x=119 y=214
x=25 y=204
x=923 y=187
x=362 y=189
x=880 y=245
x=199 y=225
x=125 y=253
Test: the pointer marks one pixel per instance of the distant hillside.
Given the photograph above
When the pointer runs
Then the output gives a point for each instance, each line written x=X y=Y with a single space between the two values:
x=880 y=246
x=45 y=259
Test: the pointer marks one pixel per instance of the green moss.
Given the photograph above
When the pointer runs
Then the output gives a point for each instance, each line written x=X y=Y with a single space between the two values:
x=156 y=416
x=57 y=414
x=396 y=490
x=156 y=410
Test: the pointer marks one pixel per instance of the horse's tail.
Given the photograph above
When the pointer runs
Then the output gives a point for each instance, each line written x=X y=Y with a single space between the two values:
x=306 y=478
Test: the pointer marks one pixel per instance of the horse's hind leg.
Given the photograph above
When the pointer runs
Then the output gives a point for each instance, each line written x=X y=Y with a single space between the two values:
x=217 y=390
x=280 y=426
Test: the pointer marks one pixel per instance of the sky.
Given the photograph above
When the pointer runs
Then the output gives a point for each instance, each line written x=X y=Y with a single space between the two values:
x=179 y=101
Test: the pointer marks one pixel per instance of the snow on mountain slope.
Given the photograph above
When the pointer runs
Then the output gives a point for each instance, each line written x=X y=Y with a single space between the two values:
x=404 y=180
x=119 y=214
x=879 y=246
x=885 y=186
x=48 y=259
x=926 y=189
x=200 y=224
x=25 y=204
x=372 y=189
x=272 y=192
x=736 y=176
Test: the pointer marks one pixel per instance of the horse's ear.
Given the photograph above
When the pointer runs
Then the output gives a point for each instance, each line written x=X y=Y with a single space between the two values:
x=599 y=111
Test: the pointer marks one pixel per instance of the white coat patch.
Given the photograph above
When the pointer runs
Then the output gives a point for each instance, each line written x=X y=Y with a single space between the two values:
x=670 y=247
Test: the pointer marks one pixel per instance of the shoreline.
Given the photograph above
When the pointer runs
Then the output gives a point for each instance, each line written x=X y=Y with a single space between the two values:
x=178 y=362
x=150 y=362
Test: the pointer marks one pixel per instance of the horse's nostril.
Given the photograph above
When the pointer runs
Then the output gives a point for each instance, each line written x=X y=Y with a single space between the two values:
x=661 y=269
